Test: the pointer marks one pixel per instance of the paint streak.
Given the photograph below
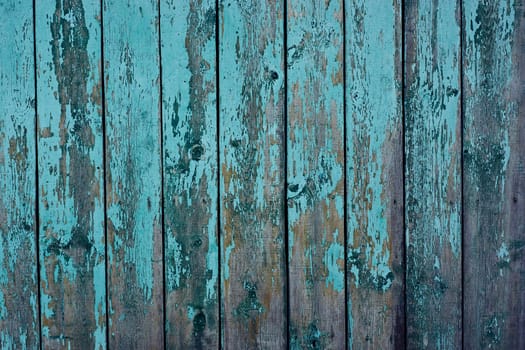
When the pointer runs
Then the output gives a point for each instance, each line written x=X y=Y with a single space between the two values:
x=133 y=179
x=315 y=168
x=433 y=188
x=190 y=170
x=251 y=59
x=71 y=231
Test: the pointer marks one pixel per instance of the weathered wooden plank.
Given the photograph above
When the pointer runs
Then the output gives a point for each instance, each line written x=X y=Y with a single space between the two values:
x=133 y=180
x=433 y=174
x=315 y=173
x=374 y=163
x=19 y=327
x=494 y=174
x=189 y=99
x=251 y=153
x=70 y=171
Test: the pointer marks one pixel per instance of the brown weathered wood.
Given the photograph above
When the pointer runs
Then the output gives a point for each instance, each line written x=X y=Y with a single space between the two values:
x=315 y=174
x=374 y=163
x=189 y=98
x=19 y=324
x=494 y=174
x=251 y=153
x=133 y=174
x=433 y=174
x=70 y=174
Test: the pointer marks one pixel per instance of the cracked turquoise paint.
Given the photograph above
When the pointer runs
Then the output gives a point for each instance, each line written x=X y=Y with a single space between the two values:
x=132 y=125
x=493 y=158
x=251 y=192
x=189 y=104
x=313 y=181
x=374 y=122
x=433 y=176
x=372 y=99
x=251 y=118
x=71 y=232
x=505 y=14
x=315 y=169
x=437 y=137
x=133 y=171
x=231 y=104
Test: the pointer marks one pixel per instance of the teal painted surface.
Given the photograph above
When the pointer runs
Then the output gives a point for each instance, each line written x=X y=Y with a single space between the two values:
x=251 y=154
x=70 y=174
x=189 y=98
x=270 y=174
x=494 y=173
x=433 y=174
x=315 y=173
x=133 y=178
x=374 y=176
x=19 y=324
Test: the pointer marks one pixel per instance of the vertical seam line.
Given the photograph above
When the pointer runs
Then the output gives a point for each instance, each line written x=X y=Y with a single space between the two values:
x=163 y=221
x=104 y=165
x=285 y=182
x=462 y=177
x=347 y=312
x=218 y=181
x=403 y=136
x=37 y=185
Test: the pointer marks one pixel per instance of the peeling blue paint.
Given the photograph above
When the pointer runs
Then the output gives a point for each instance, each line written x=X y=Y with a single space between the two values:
x=333 y=259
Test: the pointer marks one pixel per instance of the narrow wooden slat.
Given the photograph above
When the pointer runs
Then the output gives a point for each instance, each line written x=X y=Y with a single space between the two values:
x=315 y=173
x=19 y=326
x=433 y=174
x=374 y=163
x=190 y=173
x=133 y=180
x=251 y=153
x=494 y=174
x=70 y=170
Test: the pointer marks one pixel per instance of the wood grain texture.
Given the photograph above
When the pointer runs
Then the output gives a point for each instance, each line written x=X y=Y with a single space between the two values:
x=433 y=174
x=190 y=173
x=374 y=163
x=70 y=170
x=315 y=174
x=494 y=174
x=133 y=178
x=251 y=153
x=19 y=323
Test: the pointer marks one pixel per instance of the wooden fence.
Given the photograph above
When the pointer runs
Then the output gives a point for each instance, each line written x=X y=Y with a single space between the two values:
x=303 y=174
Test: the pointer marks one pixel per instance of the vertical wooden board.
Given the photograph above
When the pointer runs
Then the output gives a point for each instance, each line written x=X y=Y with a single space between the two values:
x=190 y=173
x=494 y=174
x=251 y=153
x=133 y=180
x=433 y=174
x=315 y=174
x=374 y=163
x=19 y=327
x=70 y=171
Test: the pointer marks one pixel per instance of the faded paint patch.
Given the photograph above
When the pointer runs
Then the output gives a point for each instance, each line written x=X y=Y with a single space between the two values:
x=333 y=259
